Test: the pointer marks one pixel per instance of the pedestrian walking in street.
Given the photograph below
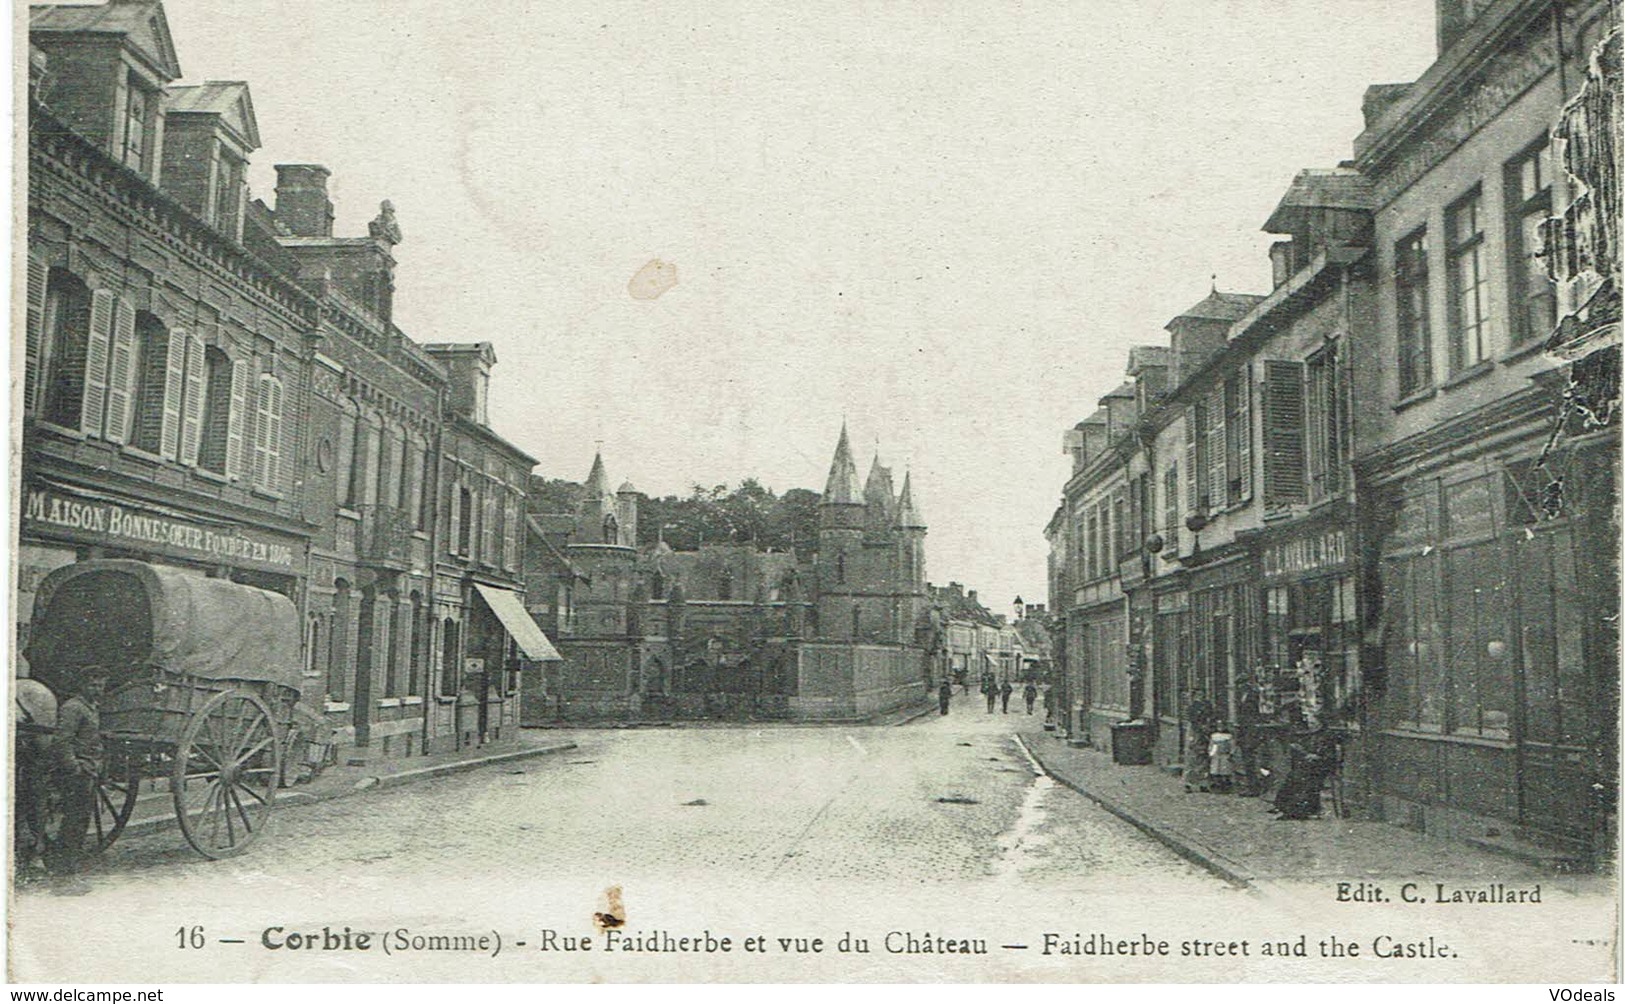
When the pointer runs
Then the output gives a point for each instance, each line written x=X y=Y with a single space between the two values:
x=1248 y=775
x=945 y=694
x=1030 y=694
x=80 y=757
x=1004 y=695
x=1199 y=722
x=990 y=690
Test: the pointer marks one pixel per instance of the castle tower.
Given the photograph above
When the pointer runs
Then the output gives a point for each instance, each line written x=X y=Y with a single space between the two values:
x=596 y=519
x=626 y=509
x=881 y=500
x=841 y=520
x=910 y=530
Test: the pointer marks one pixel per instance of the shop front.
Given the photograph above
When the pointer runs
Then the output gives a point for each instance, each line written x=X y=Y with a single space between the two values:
x=1311 y=623
x=63 y=523
x=1222 y=627
x=488 y=640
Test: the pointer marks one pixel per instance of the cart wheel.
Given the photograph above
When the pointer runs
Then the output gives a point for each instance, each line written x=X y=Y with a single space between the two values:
x=112 y=803
x=116 y=792
x=225 y=775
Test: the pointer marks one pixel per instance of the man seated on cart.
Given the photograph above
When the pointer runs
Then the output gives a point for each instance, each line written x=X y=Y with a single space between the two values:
x=80 y=758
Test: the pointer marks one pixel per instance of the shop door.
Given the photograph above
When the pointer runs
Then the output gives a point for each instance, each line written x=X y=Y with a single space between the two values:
x=1305 y=652
x=1221 y=667
x=1557 y=694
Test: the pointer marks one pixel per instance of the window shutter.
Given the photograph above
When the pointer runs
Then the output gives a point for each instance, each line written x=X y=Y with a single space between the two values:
x=174 y=386
x=192 y=407
x=262 y=432
x=454 y=517
x=1283 y=433
x=510 y=535
x=1191 y=488
x=236 y=418
x=273 y=437
x=414 y=488
x=344 y=459
x=1244 y=435
x=488 y=525
x=93 y=405
x=39 y=276
x=122 y=376
x=1218 y=480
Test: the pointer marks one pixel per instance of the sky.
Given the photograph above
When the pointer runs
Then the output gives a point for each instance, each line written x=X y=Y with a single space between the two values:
x=942 y=223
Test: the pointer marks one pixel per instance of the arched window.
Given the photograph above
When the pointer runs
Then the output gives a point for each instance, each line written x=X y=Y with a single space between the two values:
x=217 y=406
x=152 y=364
x=392 y=645
x=339 y=642
x=64 y=344
x=657 y=586
x=450 y=678
x=420 y=630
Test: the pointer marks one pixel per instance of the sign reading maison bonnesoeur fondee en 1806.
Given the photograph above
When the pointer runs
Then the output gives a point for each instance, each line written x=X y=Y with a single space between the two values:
x=114 y=524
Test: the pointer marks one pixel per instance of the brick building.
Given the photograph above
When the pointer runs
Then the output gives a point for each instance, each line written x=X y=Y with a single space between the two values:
x=219 y=385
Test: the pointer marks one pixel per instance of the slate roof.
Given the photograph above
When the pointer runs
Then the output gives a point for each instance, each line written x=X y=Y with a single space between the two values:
x=141 y=21
x=228 y=99
x=1217 y=306
x=1320 y=188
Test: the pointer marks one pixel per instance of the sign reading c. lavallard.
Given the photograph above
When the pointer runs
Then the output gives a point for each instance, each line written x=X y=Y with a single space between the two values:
x=114 y=524
x=1320 y=551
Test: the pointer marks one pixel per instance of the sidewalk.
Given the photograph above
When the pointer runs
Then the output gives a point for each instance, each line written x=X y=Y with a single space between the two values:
x=1239 y=840
x=155 y=810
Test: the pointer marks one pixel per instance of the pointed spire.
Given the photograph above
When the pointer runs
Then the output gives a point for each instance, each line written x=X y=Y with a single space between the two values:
x=597 y=480
x=908 y=514
x=877 y=489
x=842 y=486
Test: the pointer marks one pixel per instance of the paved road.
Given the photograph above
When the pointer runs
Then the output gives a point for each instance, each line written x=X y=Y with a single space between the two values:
x=819 y=830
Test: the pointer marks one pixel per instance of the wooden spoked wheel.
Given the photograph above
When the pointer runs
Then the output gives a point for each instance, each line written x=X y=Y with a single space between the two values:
x=225 y=773
x=116 y=792
x=112 y=802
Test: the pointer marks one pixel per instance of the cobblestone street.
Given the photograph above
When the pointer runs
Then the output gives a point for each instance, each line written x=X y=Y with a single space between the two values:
x=950 y=809
x=943 y=827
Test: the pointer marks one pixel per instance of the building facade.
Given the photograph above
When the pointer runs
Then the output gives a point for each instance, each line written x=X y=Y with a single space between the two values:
x=217 y=384
x=1491 y=502
x=1384 y=495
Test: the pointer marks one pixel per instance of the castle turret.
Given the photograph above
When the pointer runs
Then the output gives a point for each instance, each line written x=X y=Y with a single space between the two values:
x=915 y=605
x=881 y=500
x=626 y=508
x=841 y=519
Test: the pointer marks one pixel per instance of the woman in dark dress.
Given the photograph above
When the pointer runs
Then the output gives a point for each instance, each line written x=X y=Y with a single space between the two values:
x=1313 y=757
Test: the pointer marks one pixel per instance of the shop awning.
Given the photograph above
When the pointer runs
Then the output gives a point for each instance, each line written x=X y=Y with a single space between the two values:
x=505 y=604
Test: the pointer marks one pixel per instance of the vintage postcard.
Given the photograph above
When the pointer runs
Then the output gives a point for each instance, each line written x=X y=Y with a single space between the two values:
x=857 y=492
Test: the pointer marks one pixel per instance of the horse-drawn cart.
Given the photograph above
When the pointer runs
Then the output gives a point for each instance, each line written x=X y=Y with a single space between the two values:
x=203 y=680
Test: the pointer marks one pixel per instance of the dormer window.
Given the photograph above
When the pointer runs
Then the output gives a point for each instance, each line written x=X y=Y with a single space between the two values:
x=228 y=194
x=140 y=103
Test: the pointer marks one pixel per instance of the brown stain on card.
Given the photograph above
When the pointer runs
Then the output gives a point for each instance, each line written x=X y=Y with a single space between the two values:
x=612 y=912
x=652 y=279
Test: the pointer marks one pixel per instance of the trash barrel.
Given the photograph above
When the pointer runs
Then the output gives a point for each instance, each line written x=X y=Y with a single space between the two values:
x=1131 y=743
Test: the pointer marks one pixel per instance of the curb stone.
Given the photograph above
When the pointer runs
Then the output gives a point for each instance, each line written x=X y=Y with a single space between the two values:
x=369 y=783
x=1198 y=854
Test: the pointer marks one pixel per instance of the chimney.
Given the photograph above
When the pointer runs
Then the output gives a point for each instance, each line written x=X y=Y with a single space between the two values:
x=302 y=204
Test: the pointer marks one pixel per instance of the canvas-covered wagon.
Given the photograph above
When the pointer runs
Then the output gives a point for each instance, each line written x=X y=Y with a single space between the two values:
x=202 y=691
